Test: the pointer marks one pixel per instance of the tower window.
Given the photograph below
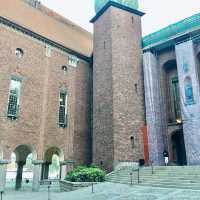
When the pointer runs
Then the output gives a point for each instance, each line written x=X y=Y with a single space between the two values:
x=63 y=108
x=14 y=96
x=132 y=142
x=132 y=19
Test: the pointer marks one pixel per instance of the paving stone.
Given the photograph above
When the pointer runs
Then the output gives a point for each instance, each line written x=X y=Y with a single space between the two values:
x=108 y=191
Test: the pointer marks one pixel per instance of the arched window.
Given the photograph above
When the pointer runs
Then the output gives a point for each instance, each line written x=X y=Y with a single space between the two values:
x=19 y=53
x=65 y=69
x=189 y=97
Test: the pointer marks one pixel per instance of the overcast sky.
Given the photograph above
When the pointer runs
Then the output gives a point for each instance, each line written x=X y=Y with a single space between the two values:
x=159 y=13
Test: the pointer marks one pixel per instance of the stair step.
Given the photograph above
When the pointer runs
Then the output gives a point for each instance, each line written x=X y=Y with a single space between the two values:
x=184 y=177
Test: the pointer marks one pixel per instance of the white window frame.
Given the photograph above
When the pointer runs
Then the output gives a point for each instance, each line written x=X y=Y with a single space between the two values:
x=73 y=60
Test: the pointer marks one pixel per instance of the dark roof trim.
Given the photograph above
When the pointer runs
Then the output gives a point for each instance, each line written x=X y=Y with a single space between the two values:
x=172 y=30
x=193 y=35
x=42 y=38
x=117 y=5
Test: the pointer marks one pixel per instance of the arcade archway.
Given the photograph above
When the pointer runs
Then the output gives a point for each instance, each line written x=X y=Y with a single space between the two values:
x=21 y=165
x=51 y=166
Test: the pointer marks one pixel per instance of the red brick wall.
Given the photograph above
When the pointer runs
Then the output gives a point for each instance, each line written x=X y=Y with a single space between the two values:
x=43 y=77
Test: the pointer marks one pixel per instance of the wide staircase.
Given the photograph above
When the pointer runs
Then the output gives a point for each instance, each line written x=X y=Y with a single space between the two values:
x=180 y=177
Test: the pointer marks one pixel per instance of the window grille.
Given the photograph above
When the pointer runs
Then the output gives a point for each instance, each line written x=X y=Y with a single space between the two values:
x=13 y=99
x=63 y=109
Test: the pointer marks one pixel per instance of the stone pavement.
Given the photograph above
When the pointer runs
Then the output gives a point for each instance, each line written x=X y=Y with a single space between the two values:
x=109 y=191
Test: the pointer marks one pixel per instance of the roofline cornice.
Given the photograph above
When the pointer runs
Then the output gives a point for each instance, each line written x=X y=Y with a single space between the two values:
x=117 y=5
x=41 y=38
x=193 y=34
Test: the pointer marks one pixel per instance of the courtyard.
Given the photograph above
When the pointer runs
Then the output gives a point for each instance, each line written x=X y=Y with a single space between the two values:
x=107 y=191
x=106 y=102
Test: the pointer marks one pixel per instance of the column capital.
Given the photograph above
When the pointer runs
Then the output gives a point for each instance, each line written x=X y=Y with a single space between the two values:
x=4 y=162
x=38 y=162
x=47 y=162
x=68 y=162
x=21 y=162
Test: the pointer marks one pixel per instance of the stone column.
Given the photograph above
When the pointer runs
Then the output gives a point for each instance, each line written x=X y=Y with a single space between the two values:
x=3 y=168
x=65 y=167
x=156 y=123
x=20 y=165
x=37 y=170
x=190 y=99
x=45 y=170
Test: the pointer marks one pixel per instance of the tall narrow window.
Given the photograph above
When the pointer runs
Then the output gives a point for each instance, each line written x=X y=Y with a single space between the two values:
x=14 y=96
x=63 y=109
x=176 y=97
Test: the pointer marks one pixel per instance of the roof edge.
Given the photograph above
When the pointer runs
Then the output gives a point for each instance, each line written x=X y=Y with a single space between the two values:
x=39 y=37
x=171 y=30
x=117 y=5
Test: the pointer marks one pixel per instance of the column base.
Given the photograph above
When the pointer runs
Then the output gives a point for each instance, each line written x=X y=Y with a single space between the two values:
x=3 y=169
x=65 y=167
x=37 y=174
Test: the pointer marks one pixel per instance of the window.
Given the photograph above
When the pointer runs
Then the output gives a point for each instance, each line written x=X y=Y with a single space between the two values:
x=13 y=100
x=63 y=108
x=176 y=97
x=132 y=142
x=19 y=53
x=65 y=69
x=189 y=97
x=73 y=60
x=48 y=51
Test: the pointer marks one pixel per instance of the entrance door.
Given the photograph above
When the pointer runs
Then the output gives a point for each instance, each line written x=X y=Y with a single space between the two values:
x=178 y=145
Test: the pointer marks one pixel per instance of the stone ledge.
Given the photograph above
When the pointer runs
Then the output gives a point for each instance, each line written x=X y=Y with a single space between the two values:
x=125 y=164
x=4 y=162
x=68 y=162
x=67 y=186
x=37 y=162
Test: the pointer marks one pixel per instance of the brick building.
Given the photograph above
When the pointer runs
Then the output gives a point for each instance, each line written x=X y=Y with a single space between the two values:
x=46 y=87
x=111 y=98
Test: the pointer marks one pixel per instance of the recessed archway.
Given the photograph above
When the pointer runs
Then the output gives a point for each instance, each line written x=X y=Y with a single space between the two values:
x=51 y=167
x=178 y=147
x=21 y=167
x=172 y=91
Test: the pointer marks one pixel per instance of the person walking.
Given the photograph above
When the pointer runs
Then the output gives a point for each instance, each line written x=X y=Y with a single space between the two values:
x=166 y=156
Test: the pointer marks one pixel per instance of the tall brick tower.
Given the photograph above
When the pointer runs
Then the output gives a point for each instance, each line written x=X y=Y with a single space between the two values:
x=118 y=96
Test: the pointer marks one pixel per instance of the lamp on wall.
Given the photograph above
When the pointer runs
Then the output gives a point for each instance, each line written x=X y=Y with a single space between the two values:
x=179 y=121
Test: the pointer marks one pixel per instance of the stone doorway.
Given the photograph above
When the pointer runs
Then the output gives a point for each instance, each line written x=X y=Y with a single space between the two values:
x=178 y=148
